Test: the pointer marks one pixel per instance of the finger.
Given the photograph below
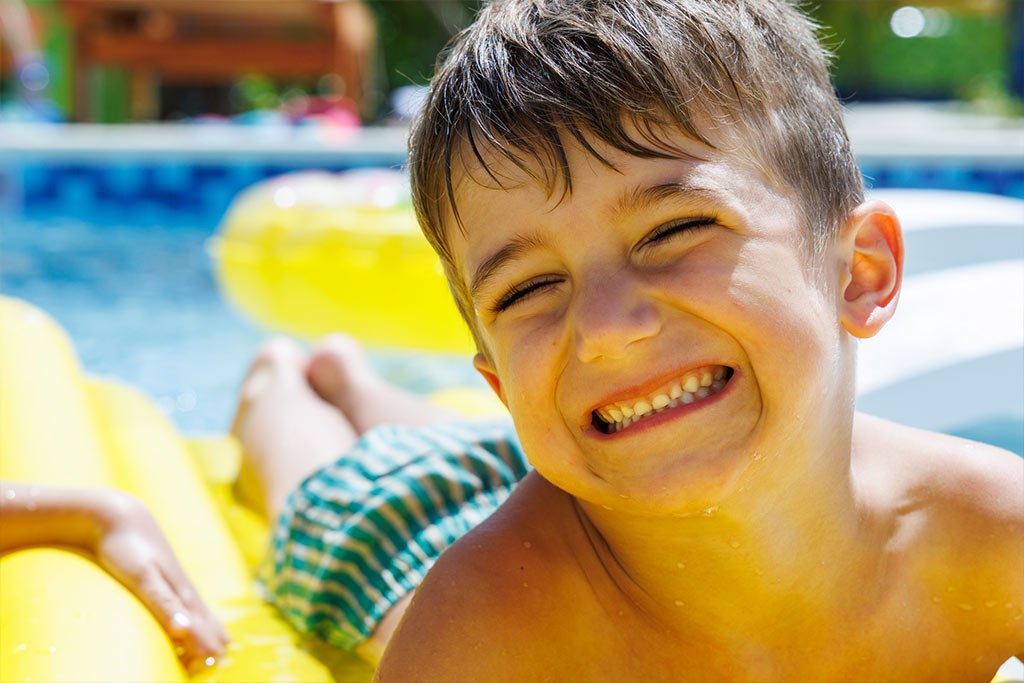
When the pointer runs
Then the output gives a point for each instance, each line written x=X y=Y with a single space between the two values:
x=204 y=629
x=196 y=664
x=195 y=646
x=174 y=616
x=161 y=600
x=208 y=627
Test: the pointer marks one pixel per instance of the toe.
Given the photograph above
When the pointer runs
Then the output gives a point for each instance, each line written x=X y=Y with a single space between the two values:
x=278 y=360
x=280 y=352
x=334 y=365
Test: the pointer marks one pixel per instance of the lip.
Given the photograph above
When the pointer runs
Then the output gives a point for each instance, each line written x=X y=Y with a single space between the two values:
x=664 y=416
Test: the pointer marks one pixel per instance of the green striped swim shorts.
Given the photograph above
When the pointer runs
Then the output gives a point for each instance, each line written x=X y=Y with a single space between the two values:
x=362 y=532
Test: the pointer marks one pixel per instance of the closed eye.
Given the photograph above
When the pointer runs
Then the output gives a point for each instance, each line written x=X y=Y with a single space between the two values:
x=517 y=293
x=689 y=225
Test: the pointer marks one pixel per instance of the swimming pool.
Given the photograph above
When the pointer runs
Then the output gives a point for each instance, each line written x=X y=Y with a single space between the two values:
x=111 y=241
x=142 y=305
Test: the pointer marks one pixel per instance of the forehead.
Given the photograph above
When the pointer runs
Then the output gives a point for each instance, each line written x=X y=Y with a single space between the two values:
x=494 y=193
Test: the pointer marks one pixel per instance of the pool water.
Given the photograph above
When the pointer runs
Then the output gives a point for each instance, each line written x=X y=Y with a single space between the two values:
x=141 y=304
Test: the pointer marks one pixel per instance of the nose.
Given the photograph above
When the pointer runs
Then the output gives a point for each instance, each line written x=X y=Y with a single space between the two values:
x=611 y=314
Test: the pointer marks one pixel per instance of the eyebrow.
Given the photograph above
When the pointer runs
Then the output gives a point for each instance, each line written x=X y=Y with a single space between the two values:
x=643 y=196
x=511 y=251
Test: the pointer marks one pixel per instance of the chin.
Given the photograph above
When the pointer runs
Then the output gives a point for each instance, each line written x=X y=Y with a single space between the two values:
x=684 y=485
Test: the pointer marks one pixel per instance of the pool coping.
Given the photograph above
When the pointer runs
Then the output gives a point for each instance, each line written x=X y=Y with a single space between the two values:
x=877 y=131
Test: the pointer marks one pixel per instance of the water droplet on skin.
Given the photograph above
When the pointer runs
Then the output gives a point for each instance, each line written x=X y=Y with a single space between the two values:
x=756 y=456
x=9 y=494
x=936 y=599
x=621 y=613
x=733 y=543
x=710 y=510
x=680 y=565
x=527 y=544
x=964 y=606
x=990 y=603
x=606 y=507
x=679 y=603
x=209 y=661
x=526 y=585
x=51 y=649
x=21 y=647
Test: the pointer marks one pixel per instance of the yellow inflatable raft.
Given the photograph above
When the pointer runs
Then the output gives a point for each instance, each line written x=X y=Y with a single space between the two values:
x=64 y=619
x=314 y=252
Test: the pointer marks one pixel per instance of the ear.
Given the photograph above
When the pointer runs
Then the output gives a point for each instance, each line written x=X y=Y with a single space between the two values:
x=483 y=366
x=871 y=256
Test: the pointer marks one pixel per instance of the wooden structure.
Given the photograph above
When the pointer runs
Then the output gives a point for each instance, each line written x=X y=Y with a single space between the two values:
x=216 y=42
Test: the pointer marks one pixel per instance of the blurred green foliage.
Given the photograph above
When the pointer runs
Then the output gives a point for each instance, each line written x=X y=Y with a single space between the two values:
x=963 y=52
x=412 y=32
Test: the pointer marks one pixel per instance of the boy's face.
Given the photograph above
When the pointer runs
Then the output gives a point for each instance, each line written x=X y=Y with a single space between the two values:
x=641 y=279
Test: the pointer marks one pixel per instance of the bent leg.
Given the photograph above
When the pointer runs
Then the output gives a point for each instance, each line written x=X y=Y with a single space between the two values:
x=297 y=416
x=286 y=430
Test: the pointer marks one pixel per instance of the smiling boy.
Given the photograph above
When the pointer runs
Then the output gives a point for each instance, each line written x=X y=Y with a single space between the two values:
x=651 y=219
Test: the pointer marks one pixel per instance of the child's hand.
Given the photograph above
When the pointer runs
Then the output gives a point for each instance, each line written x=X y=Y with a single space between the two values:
x=133 y=550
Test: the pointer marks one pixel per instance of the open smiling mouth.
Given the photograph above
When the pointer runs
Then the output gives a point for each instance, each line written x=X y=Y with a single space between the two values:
x=695 y=385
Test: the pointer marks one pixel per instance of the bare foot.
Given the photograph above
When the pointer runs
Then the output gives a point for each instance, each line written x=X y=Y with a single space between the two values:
x=286 y=430
x=339 y=372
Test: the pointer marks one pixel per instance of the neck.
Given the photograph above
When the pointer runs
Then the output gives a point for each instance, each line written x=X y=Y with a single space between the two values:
x=777 y=546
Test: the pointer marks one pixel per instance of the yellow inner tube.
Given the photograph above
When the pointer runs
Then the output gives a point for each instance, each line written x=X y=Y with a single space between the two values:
x=314 y=252
x=63 y=618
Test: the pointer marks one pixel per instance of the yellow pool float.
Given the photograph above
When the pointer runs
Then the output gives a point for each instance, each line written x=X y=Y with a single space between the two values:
x=314 y=252
x=63 y=618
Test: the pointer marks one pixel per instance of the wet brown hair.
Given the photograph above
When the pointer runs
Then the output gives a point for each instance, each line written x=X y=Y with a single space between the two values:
x=631 y=73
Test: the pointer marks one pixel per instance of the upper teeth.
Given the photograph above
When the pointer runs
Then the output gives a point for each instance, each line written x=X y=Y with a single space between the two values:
x=694 y=385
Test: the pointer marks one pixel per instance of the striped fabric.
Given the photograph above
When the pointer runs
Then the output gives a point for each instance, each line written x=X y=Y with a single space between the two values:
x=361 y=533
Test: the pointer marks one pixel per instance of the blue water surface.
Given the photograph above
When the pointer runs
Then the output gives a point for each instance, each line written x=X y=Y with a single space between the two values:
x=141 y=304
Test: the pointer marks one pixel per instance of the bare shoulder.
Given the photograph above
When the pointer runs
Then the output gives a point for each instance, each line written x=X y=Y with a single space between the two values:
x=489 y=599
x=960 y=507
x=977 y=482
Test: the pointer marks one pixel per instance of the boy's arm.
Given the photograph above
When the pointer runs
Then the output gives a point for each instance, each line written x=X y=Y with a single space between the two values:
x=117 y=532
x=32 y=515
x=1013 y=485
x=982 y=520
x=1001 y=495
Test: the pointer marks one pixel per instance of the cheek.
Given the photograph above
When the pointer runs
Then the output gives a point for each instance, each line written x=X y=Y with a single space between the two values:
x=529 y=370
x=779 y=314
